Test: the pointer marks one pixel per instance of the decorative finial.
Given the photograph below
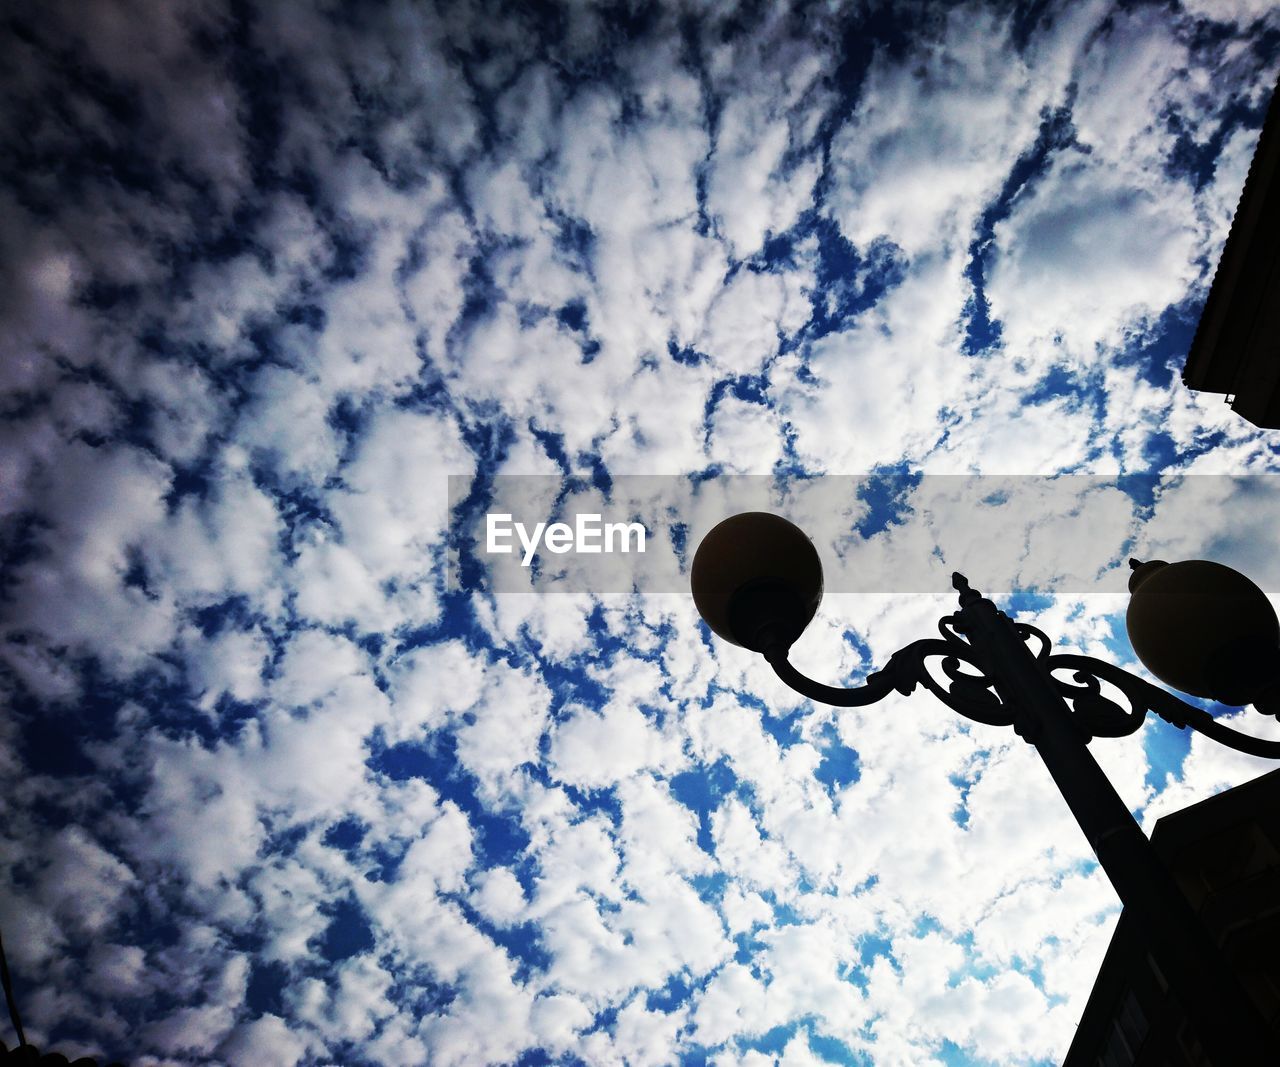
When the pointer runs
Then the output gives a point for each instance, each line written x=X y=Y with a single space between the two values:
x=1142 y=570
x=961 y=585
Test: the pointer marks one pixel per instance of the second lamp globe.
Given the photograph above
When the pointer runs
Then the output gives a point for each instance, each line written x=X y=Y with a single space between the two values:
x=1203 y=628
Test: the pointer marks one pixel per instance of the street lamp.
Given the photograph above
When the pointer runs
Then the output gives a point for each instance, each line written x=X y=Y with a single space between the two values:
x=1205 y=628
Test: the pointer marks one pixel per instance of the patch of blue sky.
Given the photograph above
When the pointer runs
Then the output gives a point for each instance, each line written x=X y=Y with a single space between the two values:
x=284 y=839
x=926 y=924
x=859 y=644
x=702 y=790
x=348 y=417
x=710 y=887
x=1027 y=603
x=481 y=294
x=748 y=947
x=772 y=1041
x=1166 y=748
x=418 y=990
x=573 y=316
x=1142 y=488
x=851 y=281
x=982 y=333
x=887 y=493
x=872 y=947
x=349 y=932
x=785 y=729
x=963 y=783
x=575 y=242
x=553 y=445
x=675 y=993
x=456 y=619
x=787 y=914
x=853 y=973
x=500 y=837
x=570 y=684
x=1060 y=382
x=833 y=1050
x=54 y=737
x=538 y=1057
x=381 y=862
x=301 y=512
x=265 y=990
x=429 y=394
x=750 y=388
x=686 y=355
x=840 y=765
x=588 y=802
x=191 y=480
x=954 y=1055
x=1194 y=157
x=977 y=970
x=1161 y=350
x=884 y=32
x=521 y=941
x=345 y=835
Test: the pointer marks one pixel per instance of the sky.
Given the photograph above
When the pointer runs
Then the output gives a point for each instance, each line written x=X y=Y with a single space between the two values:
x=278 y=791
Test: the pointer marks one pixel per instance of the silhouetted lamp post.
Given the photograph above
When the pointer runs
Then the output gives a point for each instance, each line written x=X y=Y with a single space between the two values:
x=1199 y=626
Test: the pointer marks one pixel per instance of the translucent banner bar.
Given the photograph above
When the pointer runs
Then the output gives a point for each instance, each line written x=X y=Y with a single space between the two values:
x=882 y=533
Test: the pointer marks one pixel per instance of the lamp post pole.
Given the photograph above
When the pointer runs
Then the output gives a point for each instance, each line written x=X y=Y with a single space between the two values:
x=757 y=582
x=1225 y=1019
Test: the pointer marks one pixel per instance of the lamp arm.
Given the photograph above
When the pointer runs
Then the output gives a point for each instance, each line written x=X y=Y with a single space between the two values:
x=1201 y=720
x=878 y=685
x=969 y=694
x=1100 y=717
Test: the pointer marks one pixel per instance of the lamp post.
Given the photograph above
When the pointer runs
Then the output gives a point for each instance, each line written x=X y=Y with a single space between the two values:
x=757 y=582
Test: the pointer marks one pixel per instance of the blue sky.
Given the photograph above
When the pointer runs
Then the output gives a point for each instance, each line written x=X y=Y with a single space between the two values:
x=275 y=793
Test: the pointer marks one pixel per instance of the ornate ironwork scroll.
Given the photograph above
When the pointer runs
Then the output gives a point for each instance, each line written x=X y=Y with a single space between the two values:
x=1099 y=716
x=974 y=695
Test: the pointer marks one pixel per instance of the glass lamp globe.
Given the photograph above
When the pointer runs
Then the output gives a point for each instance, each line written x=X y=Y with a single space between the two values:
x=1203 y=628
x=757 y=581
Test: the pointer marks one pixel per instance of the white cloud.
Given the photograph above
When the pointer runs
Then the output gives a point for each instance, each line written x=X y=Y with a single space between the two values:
x=751 y=315
x=647 y=1038
x=878 y=390
x=746 y=438
x=499 y=897
x=1242 y=11
x=505 y=729
x=287 y=423
x=1088 y=253
x=100 y=503
x=231 y=663
x=432 y=683
x=595 y=750
x=747 y=191
x=933 y=139
x=268 y=1039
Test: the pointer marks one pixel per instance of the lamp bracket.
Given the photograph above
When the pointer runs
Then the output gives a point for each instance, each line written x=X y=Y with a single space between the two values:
x=973 y=694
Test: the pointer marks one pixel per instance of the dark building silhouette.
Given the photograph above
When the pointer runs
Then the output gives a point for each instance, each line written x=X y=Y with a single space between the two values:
x=1236 y=349
x=1225 y=855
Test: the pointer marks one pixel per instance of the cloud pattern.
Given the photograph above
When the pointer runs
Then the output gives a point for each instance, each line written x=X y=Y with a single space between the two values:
x=274 y=794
